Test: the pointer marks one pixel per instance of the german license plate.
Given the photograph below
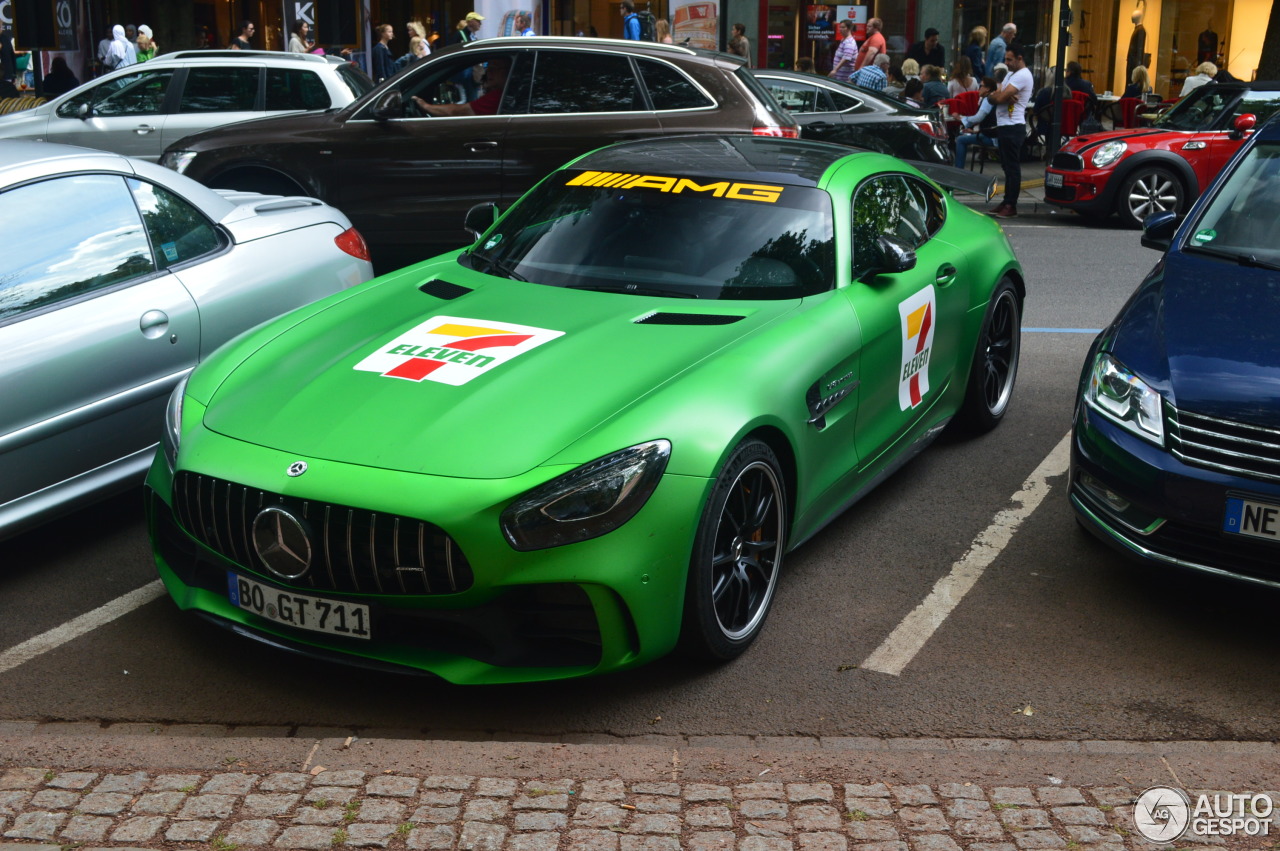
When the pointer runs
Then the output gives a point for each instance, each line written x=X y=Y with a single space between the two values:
x=1252 y=519
x=302 y=611
x=1052 y=179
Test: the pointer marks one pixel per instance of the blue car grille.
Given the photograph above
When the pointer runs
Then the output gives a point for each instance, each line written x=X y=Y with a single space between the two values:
x=1229 y=447
x=353 y=549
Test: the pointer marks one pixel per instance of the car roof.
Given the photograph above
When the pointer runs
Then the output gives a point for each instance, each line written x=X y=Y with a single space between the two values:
x=618 y=45
x=791 y=162
x=22 y=153
x=242 y=55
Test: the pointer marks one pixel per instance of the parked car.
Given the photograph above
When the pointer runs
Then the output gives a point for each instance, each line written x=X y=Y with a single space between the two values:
x=1176 y=450
x=120 y=275
x=831 y=111
x=597 y=431
x=1137 y=172
x=140 y=110
x=407 y=179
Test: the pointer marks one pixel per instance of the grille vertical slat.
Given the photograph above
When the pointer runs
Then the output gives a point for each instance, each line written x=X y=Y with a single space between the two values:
x=223 y=521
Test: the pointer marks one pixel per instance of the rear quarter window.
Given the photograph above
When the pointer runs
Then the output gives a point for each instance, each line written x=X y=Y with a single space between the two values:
x=761 y=94
x=670 y=89
x=289 y=88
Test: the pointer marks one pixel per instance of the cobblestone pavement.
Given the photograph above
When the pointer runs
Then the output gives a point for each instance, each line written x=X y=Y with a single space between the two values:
x=227 y=807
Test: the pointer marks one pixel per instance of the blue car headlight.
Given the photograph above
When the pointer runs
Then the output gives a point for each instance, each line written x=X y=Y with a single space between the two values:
x=1108 y=153
x=1125 y=399
x=173 y=423
x=587 y=502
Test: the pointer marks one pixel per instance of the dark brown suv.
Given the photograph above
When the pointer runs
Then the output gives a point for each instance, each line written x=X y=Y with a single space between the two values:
x=406 y=179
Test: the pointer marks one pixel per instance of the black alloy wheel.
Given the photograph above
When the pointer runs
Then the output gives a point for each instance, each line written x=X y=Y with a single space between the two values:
x=995 y=362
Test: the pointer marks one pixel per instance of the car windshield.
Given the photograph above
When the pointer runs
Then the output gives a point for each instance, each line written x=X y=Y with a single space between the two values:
x=1239 y=225
x=703 y=237
x=1202 y=109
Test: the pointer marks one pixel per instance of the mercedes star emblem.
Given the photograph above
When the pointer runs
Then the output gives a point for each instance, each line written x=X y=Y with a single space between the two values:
x=297 y=468
x=281 y=541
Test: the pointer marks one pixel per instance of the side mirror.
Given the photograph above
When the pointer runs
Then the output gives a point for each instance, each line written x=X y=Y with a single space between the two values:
x=85 y=110
x=895 y=255
x=1243 y=124
x=480 y=218
x=390 y=105
x=1158 y=230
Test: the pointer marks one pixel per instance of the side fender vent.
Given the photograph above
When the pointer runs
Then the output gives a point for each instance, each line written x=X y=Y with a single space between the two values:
x=443 y=289
x=661 y=318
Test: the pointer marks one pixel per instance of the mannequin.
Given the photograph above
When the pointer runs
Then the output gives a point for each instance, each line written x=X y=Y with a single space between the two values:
x=1137 y=41
x=1207 y=44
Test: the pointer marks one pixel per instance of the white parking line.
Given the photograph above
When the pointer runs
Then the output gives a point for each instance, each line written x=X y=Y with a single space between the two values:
x=76 y=627
x=918 y=626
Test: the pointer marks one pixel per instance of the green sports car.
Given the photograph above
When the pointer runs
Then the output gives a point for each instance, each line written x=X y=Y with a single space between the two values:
x=593 y=435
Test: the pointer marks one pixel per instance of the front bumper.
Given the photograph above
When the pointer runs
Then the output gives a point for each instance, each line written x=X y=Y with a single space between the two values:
x=604 y=604
x=1091 y=191
x=1175 y=511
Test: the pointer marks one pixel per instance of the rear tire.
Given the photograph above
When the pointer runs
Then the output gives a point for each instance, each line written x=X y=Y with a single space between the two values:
x=995 y=362
x=737 y=556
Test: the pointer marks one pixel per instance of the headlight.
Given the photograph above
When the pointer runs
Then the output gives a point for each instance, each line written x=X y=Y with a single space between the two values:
x=178 y=160
x=588 y=502
x=1108 y=153
x=1123 y=397
x=173 y=422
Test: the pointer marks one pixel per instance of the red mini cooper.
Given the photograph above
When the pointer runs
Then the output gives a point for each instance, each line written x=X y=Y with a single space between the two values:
x=1140 y=171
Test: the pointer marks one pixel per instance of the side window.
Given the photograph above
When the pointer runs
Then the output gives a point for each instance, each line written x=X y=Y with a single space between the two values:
x=929 y=201
x=566 y=81
x=848 y=103
x=142 y=93
x=797 y=97
x=669 y=89
x=885 y=206
x=1261 y=104
x=449 y=82
x=178 y=231
x=289 y=88
x=69 y=255
x=220 y=90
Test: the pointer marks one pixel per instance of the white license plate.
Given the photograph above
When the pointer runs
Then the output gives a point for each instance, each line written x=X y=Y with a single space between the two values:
x=1252 y=519
x=302 y=611
x=1054 y=180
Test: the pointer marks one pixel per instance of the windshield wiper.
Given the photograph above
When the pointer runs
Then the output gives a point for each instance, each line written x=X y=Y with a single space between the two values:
x=1244 y=258
x=631 y=289
x=493 y=264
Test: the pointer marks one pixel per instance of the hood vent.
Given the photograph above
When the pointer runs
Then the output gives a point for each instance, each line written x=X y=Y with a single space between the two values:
x=660 y=318
x=443 y=289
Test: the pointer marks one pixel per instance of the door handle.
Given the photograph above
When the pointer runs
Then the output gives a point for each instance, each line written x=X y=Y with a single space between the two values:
x=153 y=324
x=946 y=274
x=475 y=147
x=143 y=129
x=819 y=125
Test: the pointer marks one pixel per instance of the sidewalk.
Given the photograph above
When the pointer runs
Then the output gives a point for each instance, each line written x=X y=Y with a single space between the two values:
x=138 y=787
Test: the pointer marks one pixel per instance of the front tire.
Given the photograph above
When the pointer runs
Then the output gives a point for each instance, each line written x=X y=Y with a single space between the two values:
x=737 y=556
x=995 y=362
x=1149 y=190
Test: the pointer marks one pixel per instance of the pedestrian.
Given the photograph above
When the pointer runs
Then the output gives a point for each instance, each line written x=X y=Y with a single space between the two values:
x=995 y=50
x=911 y=69
x=962 y=78
x=929 y=51
x=979 y=128
x=805 y=65
x=1139 y=83
x=846 y=54
x=739 y=45
x=241 y=41
x=59 y=80
x=896 y=83
x=383 y=64
x=872 y=46
x=977 y=50
x=121 y=53
x=1076 y=82
x=131 y=34
x=934 y=89
x=146 y=47
x=874 y=76
x=662 y=30
x=8 y=64
x=298 y=39
x=467 y=31
x=1205 y=72
x=911 y=94
x=524 y=25
x=1011 y=101
x=630 y=21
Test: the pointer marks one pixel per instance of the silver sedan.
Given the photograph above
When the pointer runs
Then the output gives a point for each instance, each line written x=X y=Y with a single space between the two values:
x=116 y=277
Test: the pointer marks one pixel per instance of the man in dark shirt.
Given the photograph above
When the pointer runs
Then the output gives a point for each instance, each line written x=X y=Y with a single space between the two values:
x=929 y=51
x=494 y=80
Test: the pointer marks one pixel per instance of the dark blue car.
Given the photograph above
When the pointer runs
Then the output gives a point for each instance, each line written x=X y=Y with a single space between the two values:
x=1176 y=452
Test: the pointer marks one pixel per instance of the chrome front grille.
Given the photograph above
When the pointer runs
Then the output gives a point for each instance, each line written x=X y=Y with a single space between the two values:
x=353 y=550
x=1230 y=447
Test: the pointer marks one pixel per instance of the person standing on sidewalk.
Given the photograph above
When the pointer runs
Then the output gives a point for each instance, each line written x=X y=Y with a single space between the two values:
x=872 y=46
x=846 y=54
x=630 y=21
x=1010 y=102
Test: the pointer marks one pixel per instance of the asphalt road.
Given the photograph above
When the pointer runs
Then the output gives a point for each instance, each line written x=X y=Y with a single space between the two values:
x=1059 y=638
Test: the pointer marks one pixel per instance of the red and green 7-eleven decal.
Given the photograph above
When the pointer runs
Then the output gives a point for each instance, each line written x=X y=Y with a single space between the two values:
x=453 y=350
x=917 y=314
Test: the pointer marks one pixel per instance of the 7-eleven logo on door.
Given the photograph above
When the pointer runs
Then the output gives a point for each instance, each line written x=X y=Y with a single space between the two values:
x=917 y=314
x=453 y=350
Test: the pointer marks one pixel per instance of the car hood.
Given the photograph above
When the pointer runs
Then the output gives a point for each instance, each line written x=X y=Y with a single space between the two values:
x=1206 y=333
x=527 y=370
x=1145 y=136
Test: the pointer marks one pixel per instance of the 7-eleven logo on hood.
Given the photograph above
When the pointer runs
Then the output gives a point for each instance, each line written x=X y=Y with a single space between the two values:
x=917 y=314
x=453 y=350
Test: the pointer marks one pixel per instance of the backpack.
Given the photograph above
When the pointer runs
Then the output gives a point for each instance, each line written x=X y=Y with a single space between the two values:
x=648 y=26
